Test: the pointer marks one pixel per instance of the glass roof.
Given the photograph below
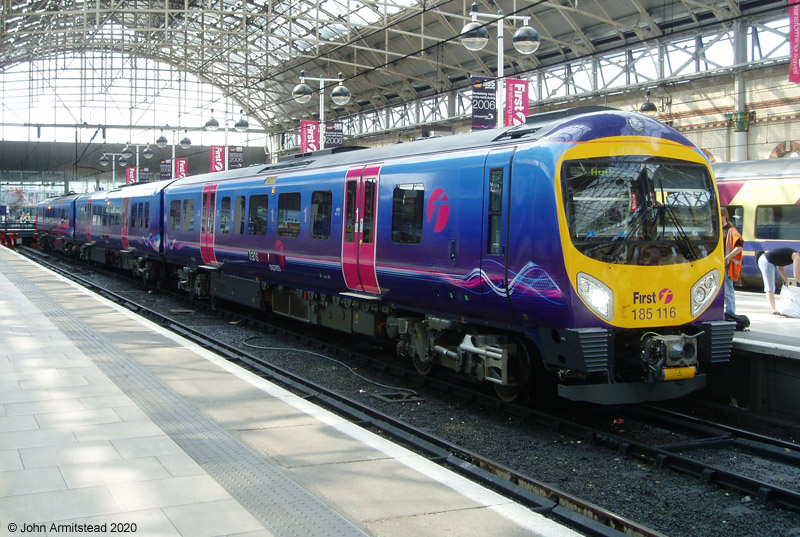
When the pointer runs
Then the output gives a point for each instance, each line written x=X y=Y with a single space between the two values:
x=139 y=66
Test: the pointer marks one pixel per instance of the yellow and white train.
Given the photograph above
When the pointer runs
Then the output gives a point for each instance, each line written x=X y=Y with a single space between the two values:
x=763 y=199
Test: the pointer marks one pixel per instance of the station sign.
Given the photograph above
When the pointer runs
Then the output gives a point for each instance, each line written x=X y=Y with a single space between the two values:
x=181 y=167
x=217 y=158
x=235 y=157
x=484 y=103
x=794 y=42
x=516 y=102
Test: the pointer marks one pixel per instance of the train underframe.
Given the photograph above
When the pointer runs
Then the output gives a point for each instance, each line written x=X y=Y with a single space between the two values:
x=591 y=364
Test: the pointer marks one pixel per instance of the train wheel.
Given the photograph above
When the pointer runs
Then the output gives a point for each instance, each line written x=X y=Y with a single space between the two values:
x=508 y=393
x=518 y=376
x=423 y=367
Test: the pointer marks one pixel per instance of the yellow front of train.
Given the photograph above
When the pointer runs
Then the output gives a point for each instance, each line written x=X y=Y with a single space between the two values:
x=640 y=229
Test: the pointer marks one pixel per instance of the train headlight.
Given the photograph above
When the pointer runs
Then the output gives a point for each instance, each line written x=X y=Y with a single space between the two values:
x=704 y=290
x=596 y=295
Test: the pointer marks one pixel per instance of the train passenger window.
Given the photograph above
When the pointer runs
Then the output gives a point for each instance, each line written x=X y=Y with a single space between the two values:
x=350 y=217
x=369 y=211
x=146 y=215
x=321 y=204
x=407 y=205
x=206 y=215
x=105 y=215
x=736 y=212
x=187 y=218
x=175 y=214
x=781 y=222
x=225 y=215
x=134 y=215
x=257 y=217
x=494 y=242
x=238 y=215
x=289 y=214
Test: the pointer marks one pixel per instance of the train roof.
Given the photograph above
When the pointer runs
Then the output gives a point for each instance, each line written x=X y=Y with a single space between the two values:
x=751 y=169
x=535 y=126
x=70 y=196
x=136 y=189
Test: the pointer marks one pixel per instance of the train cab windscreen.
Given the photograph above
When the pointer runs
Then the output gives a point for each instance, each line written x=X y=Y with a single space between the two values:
x=640 y=211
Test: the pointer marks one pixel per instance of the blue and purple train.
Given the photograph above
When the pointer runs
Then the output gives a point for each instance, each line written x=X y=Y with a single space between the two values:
x=580 y=250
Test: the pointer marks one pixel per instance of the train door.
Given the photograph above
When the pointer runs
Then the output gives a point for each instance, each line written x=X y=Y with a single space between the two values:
x=89 y=220
x=360 y=225
x=207 y=224
x=126 y=220
x=495 y=245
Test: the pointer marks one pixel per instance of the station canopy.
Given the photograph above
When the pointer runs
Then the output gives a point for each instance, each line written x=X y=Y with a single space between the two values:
x=389 y=52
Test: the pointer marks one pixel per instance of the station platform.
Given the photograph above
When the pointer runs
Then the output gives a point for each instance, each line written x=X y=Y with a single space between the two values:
x=769 y=334
x=111 y=424
x=763 y=374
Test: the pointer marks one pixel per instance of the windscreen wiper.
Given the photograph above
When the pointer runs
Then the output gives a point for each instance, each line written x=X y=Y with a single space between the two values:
x=684 y=242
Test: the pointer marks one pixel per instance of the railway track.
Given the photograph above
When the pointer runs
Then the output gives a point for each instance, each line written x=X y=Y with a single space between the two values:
x=718 y=445
x=645 y=442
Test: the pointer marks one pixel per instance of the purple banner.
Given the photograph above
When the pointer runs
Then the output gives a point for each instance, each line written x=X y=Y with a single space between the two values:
x=165 y=169
x=334 y=134
x=794 y=40
x=484 y=103
x=235 y=157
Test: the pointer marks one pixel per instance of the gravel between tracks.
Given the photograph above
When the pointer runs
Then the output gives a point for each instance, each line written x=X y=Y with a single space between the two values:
x=661 y=499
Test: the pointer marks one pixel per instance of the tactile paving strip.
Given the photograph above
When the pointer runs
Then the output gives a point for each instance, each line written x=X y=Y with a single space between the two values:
x=282 y=505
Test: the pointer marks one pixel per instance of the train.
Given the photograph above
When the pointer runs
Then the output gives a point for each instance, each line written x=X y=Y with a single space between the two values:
x=579 y=253
x=763 y=200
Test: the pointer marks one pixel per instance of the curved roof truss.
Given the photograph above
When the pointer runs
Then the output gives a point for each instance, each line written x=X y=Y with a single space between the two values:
x=390 y=51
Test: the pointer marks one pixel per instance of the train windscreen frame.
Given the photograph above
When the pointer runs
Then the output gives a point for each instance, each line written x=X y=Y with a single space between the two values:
x=634 y=210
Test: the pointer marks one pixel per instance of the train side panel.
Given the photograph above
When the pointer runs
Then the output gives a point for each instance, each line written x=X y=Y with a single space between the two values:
x=429 y=234
x=763 y=199
x=540 y=288
x=83 y=213
x=181 y=240
x=293 y=231
x=55 y=222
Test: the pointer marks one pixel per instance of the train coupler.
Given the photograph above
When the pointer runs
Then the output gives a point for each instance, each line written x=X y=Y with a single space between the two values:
x=672 y=357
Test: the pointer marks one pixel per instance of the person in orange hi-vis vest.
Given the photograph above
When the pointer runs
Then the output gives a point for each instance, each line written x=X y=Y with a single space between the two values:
x=734 y=245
